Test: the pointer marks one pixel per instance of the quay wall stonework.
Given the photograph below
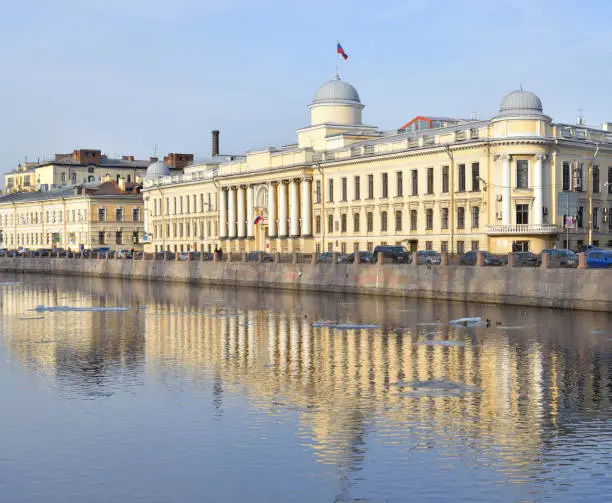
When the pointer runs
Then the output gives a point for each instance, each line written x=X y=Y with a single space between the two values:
x=558 y=288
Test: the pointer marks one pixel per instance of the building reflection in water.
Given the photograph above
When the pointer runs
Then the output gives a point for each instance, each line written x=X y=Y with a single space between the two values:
x=548 y=366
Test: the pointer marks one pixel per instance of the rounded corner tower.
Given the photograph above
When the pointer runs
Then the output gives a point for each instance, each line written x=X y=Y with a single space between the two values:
x=336 y=102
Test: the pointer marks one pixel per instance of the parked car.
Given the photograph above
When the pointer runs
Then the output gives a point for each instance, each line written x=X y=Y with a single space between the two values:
x=325 y=257
x=254 y=256
x=469 y=258
x=101 y=251
x=397 y=254
x=3 y=252
x=428 y=257
x=562 y=258
x=599 y=259
x=525 y=259
x=365 y=257
x=124 y=254
x=160 y=255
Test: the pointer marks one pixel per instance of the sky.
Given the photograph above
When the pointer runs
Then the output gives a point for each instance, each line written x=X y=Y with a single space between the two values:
x=126 y=75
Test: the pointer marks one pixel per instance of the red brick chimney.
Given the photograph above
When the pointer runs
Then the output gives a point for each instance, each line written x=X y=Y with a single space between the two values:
x=215 y=142
x=178 y=160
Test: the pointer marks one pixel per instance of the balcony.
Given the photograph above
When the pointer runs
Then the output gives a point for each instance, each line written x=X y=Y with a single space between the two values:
x=523 y=229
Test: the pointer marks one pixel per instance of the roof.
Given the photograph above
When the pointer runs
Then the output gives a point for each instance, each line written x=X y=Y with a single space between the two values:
x=91 y=188
x=336 y=91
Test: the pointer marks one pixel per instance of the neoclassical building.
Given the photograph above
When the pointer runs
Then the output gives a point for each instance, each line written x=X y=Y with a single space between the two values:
x=448 y=185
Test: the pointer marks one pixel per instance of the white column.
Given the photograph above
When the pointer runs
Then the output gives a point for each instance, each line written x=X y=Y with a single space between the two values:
x=294 y=208
x=306 y=207
x=146 y=210
x=223 y=214
x=250 y=212
x=506 y=203
x=282 y=210
x=241 y=212
x=538 y=189
x=231 y=212
x=272 y=228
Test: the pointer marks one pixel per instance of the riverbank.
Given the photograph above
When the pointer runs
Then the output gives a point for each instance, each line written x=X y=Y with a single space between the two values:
x=558 y=288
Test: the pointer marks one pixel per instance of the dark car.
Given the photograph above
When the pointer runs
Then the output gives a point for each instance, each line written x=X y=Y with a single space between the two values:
x=365 y=257
x=469 y=258
x=525 y=259
x=254 y=257
x=599 y=259
x=561 y=258
x=396 y=254
x=160 y=255
x=429 y=257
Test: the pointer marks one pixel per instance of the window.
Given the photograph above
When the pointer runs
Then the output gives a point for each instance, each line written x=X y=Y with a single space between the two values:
x=578 y=178
x=385 y=185
x=522 y=214
x=175 y=206
x=444 y=246
x=522 y=174
x=355 y=222
x=101 y=215
x=370 y=221
x=100 y=237
x=330 y=195
x=461 y=178
x=370 y=246
x=343 y=248
x=119 y=214
x=63 y=177
x=460 y=217
x=318 y=191
x=595 y=218
x=399 y=179
x=383 y=221
x=357 y=196
x=475 y=217
x=610 y=180
x=595 y=179
x=460 y=247
x=118 y=237
x=475 y=245
x=343 y=222
x=445 y=218
x=429 y=245
x=609 y=217
x=413 y=220
x=330 y=224
x=475 y=177
x=136 y=214
x=579 y=216
x=415 y=182
x=430 y=180
x=370 y=186
x=429 y=219
x=398 y=221
x=318 y=224
x=344 y=190
x=566 y=176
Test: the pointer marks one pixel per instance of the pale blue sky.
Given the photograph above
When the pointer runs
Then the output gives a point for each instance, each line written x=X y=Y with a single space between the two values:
x=122 y=75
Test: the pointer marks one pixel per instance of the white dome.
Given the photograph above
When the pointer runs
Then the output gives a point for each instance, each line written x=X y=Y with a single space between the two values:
x=336 y=91
x=521 y=102
x=157 y=169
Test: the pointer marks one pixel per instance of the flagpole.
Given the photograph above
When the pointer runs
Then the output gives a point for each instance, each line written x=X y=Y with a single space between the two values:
x=337 y=43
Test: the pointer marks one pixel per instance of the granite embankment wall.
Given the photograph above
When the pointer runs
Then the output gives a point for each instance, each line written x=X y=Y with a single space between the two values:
x=560 y=288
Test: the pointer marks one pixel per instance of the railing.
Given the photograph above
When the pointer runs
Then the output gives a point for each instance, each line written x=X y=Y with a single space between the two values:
x=524 y=229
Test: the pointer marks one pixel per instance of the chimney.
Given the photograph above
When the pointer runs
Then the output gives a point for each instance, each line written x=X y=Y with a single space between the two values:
x=215 y=142
x=122 y=184
x=153 y=159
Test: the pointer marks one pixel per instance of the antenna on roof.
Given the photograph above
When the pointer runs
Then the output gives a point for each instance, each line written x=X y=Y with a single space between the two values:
x=580 y=119
x=521 y=86
x=473 y=115
x=155 y=150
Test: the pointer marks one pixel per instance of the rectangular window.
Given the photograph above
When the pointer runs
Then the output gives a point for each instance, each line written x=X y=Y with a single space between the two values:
x=413 y=220
x=475 y=217
x=383 y=221
x=445 y=182
x=330 y=224
x=415 y=182
x=357 y=196
x=343 y=248
x=609 y=218
x=475 y=177
x=370 y=246
x=460 y=217
x=356 y=222
x=370 y=186
x=370 y=221
x=475 y=245
x=578 y=177
x=522 y=174
x=444 y=218
x=399 y=178
x=318 y=224
x=595 y=179
x=430 y=180
x=595 y=218
x=610 y=180
x=429 y=219
x=330 y=188
x=318 y=191
x=100 y=237
x=444 y=246
x=429 y=245
x=101 y=215
x=460 y=247
x=118 y=237
x=136 y=214
x=344 y=189
x=343 y=222
x=461 y=178
x=566 y=176
x=385 y=185
x=398 y=221
x=119 y=214
x=522 y=214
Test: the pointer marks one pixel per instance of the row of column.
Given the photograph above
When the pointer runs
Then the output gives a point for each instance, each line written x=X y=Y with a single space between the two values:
x=538 y=189
x=286 y=208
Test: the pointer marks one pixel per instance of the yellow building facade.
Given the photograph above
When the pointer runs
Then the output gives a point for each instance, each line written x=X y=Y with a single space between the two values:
x=344 y=186
x=76 y=217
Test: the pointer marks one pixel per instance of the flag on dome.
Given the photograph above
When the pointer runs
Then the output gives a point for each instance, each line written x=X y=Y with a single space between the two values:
x=258 y=219
x=340 y=51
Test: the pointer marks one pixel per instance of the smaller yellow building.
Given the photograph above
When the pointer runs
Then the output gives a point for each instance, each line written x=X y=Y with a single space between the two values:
x=75 y=217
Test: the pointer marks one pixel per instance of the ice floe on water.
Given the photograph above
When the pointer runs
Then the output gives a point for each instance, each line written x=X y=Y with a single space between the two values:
x=438 y=342
x=345 y=326
x=42 y=309
x=11 y=283
x=435 y=387
x=597 y=332
x=467 y=322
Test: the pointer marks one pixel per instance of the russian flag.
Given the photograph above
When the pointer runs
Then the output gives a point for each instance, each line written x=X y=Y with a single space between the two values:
x=340 y=51
x=258 y=219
